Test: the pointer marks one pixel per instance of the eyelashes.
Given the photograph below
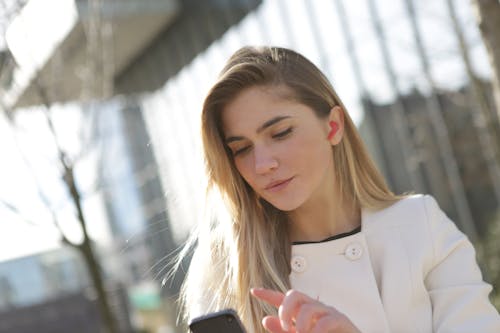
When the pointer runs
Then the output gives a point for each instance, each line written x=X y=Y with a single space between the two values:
x=283 y=134
x=241 y=150
x=278 y=136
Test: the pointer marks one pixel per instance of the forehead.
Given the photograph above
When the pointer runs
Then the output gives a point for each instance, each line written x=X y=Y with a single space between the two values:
x=255 y=105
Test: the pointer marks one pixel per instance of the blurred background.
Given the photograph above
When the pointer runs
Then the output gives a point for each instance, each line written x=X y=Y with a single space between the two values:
x=101 y=175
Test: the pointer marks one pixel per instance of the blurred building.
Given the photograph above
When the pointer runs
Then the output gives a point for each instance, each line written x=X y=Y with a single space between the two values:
x=462 y=128
x=33 y=279
x=133 y=193
x=50 y=292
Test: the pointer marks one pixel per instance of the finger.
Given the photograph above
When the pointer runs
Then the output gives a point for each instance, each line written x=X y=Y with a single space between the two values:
x=331 y=323
x=290 y=307
x=309 y=314
x=273 y=325
x=270 y=296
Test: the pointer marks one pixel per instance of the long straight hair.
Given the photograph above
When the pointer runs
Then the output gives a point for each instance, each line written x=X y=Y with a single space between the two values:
x=249 y=247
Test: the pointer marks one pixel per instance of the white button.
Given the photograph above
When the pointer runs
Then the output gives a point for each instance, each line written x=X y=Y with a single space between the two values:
x=299 y=264
x=354 y=251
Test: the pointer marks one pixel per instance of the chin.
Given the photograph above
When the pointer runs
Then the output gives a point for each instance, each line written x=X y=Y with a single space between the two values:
x=285 y=205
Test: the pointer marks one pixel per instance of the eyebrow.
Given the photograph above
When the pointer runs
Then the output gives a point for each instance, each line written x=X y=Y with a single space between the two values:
x=267 y=124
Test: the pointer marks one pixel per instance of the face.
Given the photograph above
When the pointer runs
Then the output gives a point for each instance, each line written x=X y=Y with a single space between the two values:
x=279 y=146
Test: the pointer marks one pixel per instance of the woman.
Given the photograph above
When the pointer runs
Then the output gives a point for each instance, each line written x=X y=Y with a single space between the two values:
x=312 y=228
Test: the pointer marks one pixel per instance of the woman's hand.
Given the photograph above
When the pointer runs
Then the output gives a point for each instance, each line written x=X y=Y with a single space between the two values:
x=300 y=313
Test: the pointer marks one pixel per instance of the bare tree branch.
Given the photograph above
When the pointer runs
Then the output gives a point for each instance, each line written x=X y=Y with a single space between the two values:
x=13 y=209
x=85 y=247
x=42 y=196
x=64 y=239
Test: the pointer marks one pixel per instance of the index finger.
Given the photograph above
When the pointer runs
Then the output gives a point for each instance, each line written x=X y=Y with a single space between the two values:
x=269 y=296
x=290 y=306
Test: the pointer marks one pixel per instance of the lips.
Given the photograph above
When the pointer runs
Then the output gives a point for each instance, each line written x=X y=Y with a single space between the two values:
x=278 y=184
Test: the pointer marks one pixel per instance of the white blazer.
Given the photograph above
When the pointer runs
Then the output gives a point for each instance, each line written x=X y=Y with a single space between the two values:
x=408 y=270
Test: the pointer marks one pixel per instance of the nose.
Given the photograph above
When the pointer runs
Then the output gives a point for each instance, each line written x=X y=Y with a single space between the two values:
x=265 y=161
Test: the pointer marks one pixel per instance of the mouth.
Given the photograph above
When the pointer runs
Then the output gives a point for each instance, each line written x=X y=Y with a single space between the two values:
x=278 y=185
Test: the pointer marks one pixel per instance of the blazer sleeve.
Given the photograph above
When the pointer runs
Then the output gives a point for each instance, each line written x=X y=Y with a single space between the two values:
x=458 y=294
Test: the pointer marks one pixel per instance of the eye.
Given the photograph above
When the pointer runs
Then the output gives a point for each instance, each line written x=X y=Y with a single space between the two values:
x=283 y=134
x=241 y=150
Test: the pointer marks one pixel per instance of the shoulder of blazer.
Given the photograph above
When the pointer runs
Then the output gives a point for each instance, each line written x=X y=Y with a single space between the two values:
x=408 y=211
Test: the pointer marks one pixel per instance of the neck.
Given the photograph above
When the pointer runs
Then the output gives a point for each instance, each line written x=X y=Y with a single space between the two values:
x=322 y=218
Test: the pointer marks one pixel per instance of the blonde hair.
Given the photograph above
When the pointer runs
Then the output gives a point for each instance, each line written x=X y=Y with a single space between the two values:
x=251 y=248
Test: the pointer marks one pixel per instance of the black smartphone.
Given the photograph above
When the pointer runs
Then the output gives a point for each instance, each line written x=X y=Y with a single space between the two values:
x=224 y=321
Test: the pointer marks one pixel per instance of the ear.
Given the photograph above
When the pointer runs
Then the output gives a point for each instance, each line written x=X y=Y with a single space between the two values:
x=337 y=116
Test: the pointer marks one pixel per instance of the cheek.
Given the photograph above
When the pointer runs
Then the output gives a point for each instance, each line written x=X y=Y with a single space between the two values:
x=307 y=151
x=244 y=167
x=310 y=158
